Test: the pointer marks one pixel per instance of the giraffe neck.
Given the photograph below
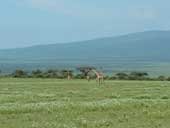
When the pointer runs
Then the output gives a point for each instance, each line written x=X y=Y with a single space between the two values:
x=97 y=74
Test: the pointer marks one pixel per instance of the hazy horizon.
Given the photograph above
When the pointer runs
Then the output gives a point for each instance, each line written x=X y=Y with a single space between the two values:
x=38 y=22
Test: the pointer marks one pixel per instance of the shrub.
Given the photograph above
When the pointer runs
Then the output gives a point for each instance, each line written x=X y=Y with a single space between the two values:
x=161 y=78
x=19 y=73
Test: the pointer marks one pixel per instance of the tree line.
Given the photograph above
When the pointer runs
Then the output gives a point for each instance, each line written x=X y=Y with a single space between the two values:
x=83 y=73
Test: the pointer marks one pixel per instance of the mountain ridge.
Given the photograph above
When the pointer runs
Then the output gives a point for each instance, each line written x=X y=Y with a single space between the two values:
x=149 y=44
x=82 y=41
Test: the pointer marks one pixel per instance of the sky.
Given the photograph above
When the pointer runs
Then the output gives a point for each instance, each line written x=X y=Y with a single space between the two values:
x=36 y=22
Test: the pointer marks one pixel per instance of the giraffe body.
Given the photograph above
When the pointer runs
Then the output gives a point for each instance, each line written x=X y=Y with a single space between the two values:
x=99 y=77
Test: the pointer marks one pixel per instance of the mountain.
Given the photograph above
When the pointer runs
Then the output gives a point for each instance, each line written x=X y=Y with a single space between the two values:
x=145 y=51
x=151 y=44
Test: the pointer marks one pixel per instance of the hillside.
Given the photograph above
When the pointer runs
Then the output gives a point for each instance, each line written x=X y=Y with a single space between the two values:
x=146 y=51
x=153 y=44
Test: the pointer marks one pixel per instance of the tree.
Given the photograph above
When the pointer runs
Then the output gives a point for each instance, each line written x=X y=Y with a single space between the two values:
x=161 y=78
x=19 y=73
x=67 y=74
x=85 y=71
x=37 y=73
x=168 y=79
x=138 y=75
x=51 y=73
x=122 y=76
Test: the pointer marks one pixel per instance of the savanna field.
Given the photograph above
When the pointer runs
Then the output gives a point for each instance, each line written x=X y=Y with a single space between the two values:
x=53 y=103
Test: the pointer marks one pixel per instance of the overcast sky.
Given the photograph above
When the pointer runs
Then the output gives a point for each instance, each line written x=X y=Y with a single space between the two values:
x=31 y=22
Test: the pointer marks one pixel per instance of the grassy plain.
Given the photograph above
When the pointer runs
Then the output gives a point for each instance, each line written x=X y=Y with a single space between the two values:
x=52 y=103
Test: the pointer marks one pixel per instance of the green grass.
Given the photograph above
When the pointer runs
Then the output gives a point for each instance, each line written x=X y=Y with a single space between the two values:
x=51 y=103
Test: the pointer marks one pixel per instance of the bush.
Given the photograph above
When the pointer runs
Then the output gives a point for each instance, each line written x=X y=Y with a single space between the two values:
x=79 y=76
x=19 y=73
x=62 y=74
x=161 y=78
x=168 y=79
x=131 y=76
x=122 y=76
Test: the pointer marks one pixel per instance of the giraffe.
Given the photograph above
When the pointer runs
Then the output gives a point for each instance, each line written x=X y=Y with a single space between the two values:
x=99 y=76
x=69 y=76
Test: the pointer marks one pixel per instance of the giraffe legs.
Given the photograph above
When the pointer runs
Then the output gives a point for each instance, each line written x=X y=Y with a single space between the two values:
x=100 y=80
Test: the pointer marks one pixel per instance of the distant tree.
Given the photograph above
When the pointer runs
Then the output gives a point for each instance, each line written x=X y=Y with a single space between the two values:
x=51 y=73
x=19 y=73
x=168 y=79
x=122 y=76
x=66 y=74
x=37 y=73
x=79 y=76
x=161 y=78
x=85 y=71
x=138 y=75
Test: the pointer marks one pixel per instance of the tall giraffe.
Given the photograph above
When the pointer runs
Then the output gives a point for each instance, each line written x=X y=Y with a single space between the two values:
x=69 y=74
x=99 y=76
